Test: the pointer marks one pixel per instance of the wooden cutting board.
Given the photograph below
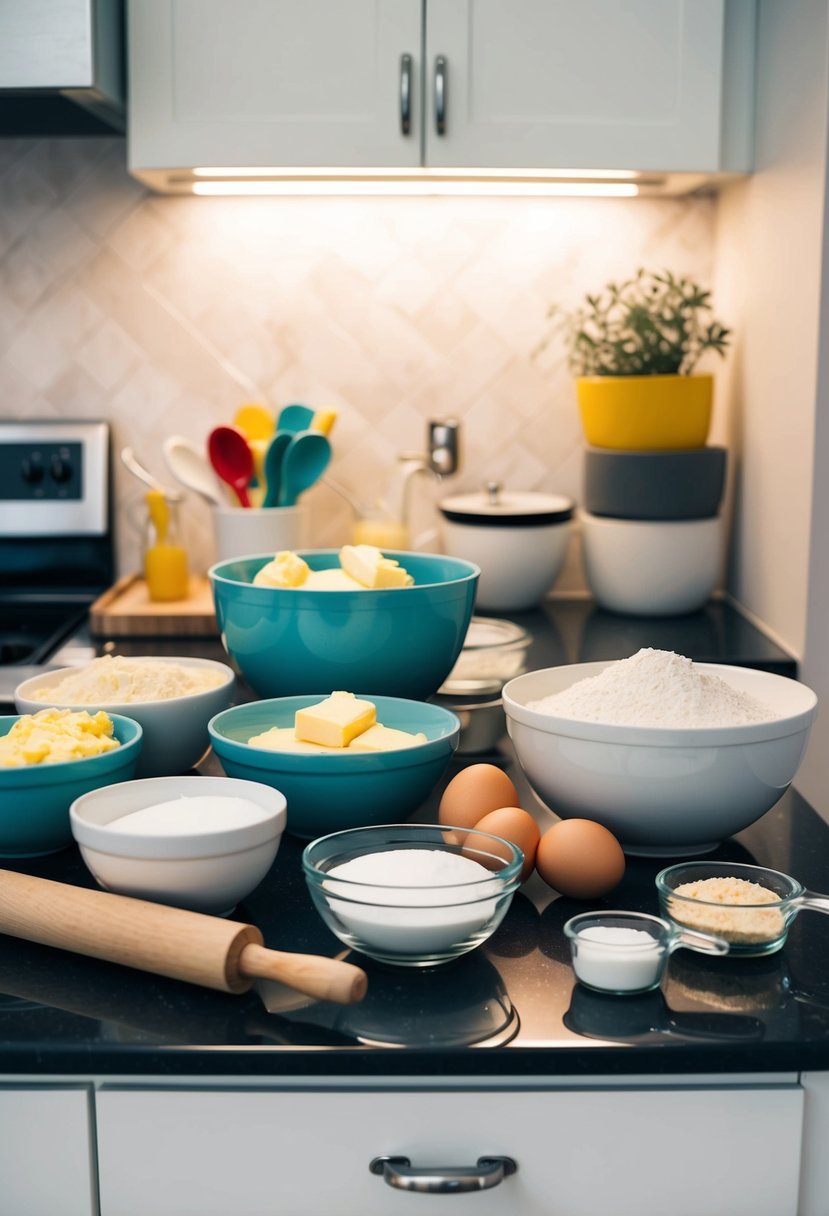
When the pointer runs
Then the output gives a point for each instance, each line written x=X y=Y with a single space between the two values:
x=126 y=611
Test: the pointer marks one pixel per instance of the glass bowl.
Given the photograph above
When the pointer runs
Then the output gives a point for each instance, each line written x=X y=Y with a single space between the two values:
x=757 y=927
x=412 y=920
x=622 y=964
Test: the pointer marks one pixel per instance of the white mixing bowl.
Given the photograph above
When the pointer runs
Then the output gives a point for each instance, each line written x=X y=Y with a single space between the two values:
x=662 y=791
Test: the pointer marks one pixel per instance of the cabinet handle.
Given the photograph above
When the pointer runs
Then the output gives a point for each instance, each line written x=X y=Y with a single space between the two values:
x=440 y=94
x=405 y=94
x=443 y=1180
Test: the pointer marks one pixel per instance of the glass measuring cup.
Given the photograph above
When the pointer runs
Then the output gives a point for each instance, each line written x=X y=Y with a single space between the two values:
x=751 y=928
x=610 y=955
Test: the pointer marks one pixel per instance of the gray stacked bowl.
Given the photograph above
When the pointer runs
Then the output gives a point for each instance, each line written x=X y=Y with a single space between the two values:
x=651 y=528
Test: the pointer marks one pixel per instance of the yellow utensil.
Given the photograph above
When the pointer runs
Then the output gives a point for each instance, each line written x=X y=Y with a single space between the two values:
x=254 y=421
x=323 y=421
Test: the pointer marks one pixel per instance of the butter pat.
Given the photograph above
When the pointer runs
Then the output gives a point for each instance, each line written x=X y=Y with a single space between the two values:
x=369 y=567
x=335 y=721
x=384 y=739
x=286 y=570
x=283 y=739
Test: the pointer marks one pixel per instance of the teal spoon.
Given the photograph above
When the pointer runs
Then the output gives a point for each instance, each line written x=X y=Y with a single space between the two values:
x=294 y=418
x=272 y=467
x=306 y=459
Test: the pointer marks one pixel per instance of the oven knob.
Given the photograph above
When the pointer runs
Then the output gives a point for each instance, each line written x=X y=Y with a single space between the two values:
x=31 y=470
x=61 y=469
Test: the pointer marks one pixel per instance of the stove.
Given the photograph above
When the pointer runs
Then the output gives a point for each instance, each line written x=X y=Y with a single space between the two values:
x=55 y=533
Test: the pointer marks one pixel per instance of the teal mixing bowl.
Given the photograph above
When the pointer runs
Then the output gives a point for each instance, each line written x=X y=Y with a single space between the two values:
x=35 y=799
x=401 y=642
x=326 y=793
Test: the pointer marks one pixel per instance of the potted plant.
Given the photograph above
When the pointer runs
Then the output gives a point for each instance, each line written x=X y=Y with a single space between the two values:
x=633 y=348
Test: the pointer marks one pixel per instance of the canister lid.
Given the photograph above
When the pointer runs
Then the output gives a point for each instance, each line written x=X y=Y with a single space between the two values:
x=495 y=507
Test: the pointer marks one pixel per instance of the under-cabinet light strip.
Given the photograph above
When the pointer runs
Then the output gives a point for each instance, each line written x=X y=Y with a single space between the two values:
x=426 y=186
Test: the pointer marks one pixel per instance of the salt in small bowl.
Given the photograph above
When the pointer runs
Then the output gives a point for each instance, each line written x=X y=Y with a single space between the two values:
x=608 y=958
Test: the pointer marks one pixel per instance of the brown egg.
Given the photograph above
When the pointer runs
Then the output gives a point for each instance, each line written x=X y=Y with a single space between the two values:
x=473 y=793
x=512 y=824
x=580 y=858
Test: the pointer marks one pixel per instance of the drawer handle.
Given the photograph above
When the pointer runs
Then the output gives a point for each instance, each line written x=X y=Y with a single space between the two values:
x=405 y=94
x=443 y=1180
x=440 y=94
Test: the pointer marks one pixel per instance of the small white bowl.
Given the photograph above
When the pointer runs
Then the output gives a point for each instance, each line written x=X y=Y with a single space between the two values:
x=651 y=567
x=175 y=728
x=207 y=871
x=519 y=540
x=662 y=791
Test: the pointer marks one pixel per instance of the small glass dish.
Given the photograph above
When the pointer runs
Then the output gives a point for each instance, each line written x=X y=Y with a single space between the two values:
x=752 y=927
x=607 y=957
x=416 y=923
x=493 y=652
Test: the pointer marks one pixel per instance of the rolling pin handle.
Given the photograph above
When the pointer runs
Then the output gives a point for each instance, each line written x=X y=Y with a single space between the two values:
x=327 y=979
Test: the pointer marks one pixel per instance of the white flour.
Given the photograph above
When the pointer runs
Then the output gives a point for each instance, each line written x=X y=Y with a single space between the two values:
x=655 y=688
x=414 y=901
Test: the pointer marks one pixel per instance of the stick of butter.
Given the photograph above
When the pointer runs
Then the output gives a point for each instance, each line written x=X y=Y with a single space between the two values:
x=368 y=566
x=335 y=721
x=384 y=739
x=286 y=570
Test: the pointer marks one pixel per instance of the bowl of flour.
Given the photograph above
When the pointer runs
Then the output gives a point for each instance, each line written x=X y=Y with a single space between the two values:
x=670 y=755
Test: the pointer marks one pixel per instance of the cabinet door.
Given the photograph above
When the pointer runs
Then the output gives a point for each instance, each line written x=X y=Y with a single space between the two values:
x=721 y=1152
x=46 y=1152
x=272 y=83
x=592 y=84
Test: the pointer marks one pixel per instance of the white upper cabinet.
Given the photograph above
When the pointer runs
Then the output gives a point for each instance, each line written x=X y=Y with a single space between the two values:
x=596 y=84
x=651 y=85
x=273 y=83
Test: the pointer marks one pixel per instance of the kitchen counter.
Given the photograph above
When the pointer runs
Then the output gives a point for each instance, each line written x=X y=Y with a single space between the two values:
x=65 y=1015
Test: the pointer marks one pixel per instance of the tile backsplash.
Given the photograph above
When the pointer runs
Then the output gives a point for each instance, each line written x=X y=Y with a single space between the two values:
x=164 y=314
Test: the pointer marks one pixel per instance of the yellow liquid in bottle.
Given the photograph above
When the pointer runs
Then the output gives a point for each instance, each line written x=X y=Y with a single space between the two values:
x=165 y=571
x=382 y=533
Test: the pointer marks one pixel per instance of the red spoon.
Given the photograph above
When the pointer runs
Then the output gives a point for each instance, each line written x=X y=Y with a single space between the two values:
x=232 y=459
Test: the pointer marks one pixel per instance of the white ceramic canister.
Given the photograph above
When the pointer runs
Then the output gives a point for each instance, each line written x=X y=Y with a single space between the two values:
x=518 y=538
x=240 y=531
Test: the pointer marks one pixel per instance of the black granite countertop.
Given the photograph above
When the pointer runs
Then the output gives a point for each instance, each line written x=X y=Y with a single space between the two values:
x=511 y=1008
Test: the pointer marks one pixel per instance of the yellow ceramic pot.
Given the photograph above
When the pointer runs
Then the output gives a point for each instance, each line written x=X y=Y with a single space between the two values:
x=645 y=413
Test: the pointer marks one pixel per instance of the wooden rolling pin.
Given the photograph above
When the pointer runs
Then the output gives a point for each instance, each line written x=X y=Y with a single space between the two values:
x=190 y=946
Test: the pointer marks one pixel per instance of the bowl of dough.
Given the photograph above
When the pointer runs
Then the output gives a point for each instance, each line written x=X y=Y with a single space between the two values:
x=670 y=755
x=49 y=758
x=392 y=622
x=343 y=761
x=172 y=698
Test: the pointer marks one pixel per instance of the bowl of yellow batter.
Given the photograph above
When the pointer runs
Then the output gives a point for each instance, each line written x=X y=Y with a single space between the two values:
x=47 y=760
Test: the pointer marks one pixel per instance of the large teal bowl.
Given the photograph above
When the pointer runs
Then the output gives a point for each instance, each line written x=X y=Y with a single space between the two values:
x=401 y=642
x=35 y=799
x=326 y=793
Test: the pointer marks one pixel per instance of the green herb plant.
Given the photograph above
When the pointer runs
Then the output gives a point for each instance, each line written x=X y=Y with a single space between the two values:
x=650 y=325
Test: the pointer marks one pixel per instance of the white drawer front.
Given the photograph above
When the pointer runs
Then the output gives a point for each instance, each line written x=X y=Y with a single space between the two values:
x=45 y=1152
x=719 y=1152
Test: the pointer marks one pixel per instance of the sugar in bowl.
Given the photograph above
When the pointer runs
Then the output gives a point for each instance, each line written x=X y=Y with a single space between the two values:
x=623 y=953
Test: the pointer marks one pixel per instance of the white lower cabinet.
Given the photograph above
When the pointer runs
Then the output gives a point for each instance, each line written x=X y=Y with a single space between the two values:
x=46 y=1151
x=633 y=1151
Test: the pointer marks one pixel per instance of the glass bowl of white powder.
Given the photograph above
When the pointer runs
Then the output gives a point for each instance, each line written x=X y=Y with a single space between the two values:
x=671 y=756
x=172 y=698
x=412 y=894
